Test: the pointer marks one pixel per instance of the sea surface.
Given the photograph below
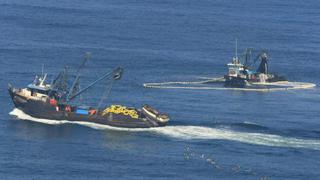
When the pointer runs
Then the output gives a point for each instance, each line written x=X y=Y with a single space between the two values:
x=213 y=134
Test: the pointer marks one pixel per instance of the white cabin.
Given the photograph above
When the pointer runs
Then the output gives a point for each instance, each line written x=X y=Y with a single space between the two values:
x=235 y=67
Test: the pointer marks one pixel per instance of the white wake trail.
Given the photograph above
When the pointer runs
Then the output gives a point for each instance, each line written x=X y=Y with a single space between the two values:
x=196 y=132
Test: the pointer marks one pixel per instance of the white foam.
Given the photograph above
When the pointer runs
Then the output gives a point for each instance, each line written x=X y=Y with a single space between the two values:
x=276 y=86
x=196 y=132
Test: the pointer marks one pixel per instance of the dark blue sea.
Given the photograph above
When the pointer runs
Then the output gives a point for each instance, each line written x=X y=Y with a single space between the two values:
x=212 y=134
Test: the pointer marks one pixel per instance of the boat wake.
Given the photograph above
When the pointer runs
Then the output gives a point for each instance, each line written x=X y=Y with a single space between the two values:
x=196 y=132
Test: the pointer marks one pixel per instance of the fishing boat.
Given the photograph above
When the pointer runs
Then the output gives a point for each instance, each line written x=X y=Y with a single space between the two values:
x=242 y=75
x=54 y=101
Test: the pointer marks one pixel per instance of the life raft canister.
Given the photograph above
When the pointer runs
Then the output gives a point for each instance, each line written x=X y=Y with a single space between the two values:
x=68 y=108
x=53 y=102
x=92 y=112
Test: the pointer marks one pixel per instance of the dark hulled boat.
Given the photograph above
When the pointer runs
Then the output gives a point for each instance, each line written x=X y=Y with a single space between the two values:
x=53 y=101
x=242 y=75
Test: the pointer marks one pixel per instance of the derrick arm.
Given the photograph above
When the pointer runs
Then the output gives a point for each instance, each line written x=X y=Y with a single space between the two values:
x=115 y=75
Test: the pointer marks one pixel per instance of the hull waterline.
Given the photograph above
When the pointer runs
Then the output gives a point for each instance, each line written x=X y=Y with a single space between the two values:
x=44 y=110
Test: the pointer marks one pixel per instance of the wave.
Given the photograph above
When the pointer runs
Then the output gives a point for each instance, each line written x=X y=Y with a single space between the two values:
x=195 y=132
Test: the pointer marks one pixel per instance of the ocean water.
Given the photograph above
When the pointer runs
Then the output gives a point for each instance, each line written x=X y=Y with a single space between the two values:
x=211 y=135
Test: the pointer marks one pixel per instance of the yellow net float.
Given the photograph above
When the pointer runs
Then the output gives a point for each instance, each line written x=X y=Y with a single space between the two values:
x=118 y=109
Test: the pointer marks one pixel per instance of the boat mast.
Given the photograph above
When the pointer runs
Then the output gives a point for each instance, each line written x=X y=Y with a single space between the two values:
x=76 y=81
x=236 y=50
x=43 y=80
x=42 y=70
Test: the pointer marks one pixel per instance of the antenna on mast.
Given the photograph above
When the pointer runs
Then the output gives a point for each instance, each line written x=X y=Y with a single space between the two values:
x=42 y=70
x=236 y=48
